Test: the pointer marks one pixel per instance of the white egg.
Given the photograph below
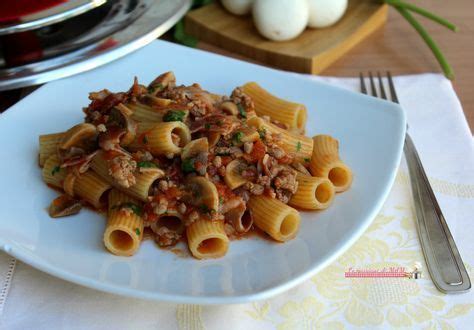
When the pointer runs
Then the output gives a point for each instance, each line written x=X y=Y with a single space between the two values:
x=238 y=7
x=323 y=13
x=280 y=19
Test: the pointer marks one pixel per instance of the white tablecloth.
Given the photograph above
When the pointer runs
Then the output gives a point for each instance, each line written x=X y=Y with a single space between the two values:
x=30 y=299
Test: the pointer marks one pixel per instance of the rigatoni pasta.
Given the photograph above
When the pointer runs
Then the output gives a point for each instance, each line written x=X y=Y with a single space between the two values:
x=313 y=193
x=207 y=239
x=277 y=219
x=325 y=162
x=286 y=112
x=188 y=165
x=124 y=229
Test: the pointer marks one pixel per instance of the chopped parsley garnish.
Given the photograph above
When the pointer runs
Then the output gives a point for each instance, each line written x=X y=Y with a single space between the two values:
x=207 y=126
x=221 y=200
x=130 y=205
x=298 y=146
x=137 y=231
x=145 y=139
x=307 y=160
x=188 y=165
x=174 y=115
x=206 y=210
x=261 y=133
x=242 y=111
x=153 y=88
x=237 y=137
x=147 y=164
x=55 y=170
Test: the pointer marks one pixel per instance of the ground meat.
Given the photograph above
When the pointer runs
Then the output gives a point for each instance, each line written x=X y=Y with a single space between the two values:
x=163 y=185
x=175 y=138
x=248 y=146
x=143 y=156
x=181 y=208
x=101 y=127
x=166 y=237
x=276 y=152
x=256 y=189
x=239 y=97
x=193 y=216
x=161 y=207
x=235 y=152
x=121 y=168
x=221 y=171
x=217 y=161
x=286 y=179
x=283 y=195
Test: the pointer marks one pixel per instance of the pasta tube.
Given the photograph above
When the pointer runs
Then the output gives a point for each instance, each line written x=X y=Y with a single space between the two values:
x=266 y=104
x=92 y=188
x=313 y=193
x=299 y=145
x=277 y=219
x=325 y=162
x=124 y=230
x=52 y=173
x=207 y=239
x=88 y=186
x=145 y=113
x=48 y=145
x=166 y=138
x=139 y=190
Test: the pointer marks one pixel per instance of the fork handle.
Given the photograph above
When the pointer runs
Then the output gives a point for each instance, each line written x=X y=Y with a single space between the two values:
x=441 y=254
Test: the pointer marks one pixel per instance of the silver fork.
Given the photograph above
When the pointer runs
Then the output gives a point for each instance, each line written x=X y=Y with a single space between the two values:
x=441 y=254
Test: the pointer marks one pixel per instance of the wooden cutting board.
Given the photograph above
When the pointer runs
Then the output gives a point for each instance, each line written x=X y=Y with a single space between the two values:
x=311 y=52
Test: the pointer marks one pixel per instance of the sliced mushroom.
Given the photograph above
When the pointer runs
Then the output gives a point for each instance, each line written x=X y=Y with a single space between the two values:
x=76 y=135
x=64 y=205
x=300 y=168
x=110 y=139
x=120 y=117
x=202 y=193
x=213 y=138
x=193 y=148
x=240 y=218
x=161 y=82
x=229 y=108
x=68 y=184
x=233 y=177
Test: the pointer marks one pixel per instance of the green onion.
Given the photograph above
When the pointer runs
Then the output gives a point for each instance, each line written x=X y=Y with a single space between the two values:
x=153 y=88
x=146 y=164
x=174 y=115
x=448 y=71
x=423 y=12
x=188 y=165
x=55 y=170
x=137 y=231
x=242 y=111
x=237 y=137
x=298 y=146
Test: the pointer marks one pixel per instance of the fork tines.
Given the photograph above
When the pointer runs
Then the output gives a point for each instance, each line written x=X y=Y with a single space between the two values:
x=381 y=88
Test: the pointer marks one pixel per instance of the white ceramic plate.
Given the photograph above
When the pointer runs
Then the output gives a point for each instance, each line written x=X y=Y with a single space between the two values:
x=370 y=132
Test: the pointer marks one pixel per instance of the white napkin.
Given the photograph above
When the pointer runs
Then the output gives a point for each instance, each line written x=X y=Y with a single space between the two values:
x=437 y=124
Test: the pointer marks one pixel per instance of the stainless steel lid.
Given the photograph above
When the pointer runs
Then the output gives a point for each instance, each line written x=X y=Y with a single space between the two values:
x=84 y=42
x=55 y=14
